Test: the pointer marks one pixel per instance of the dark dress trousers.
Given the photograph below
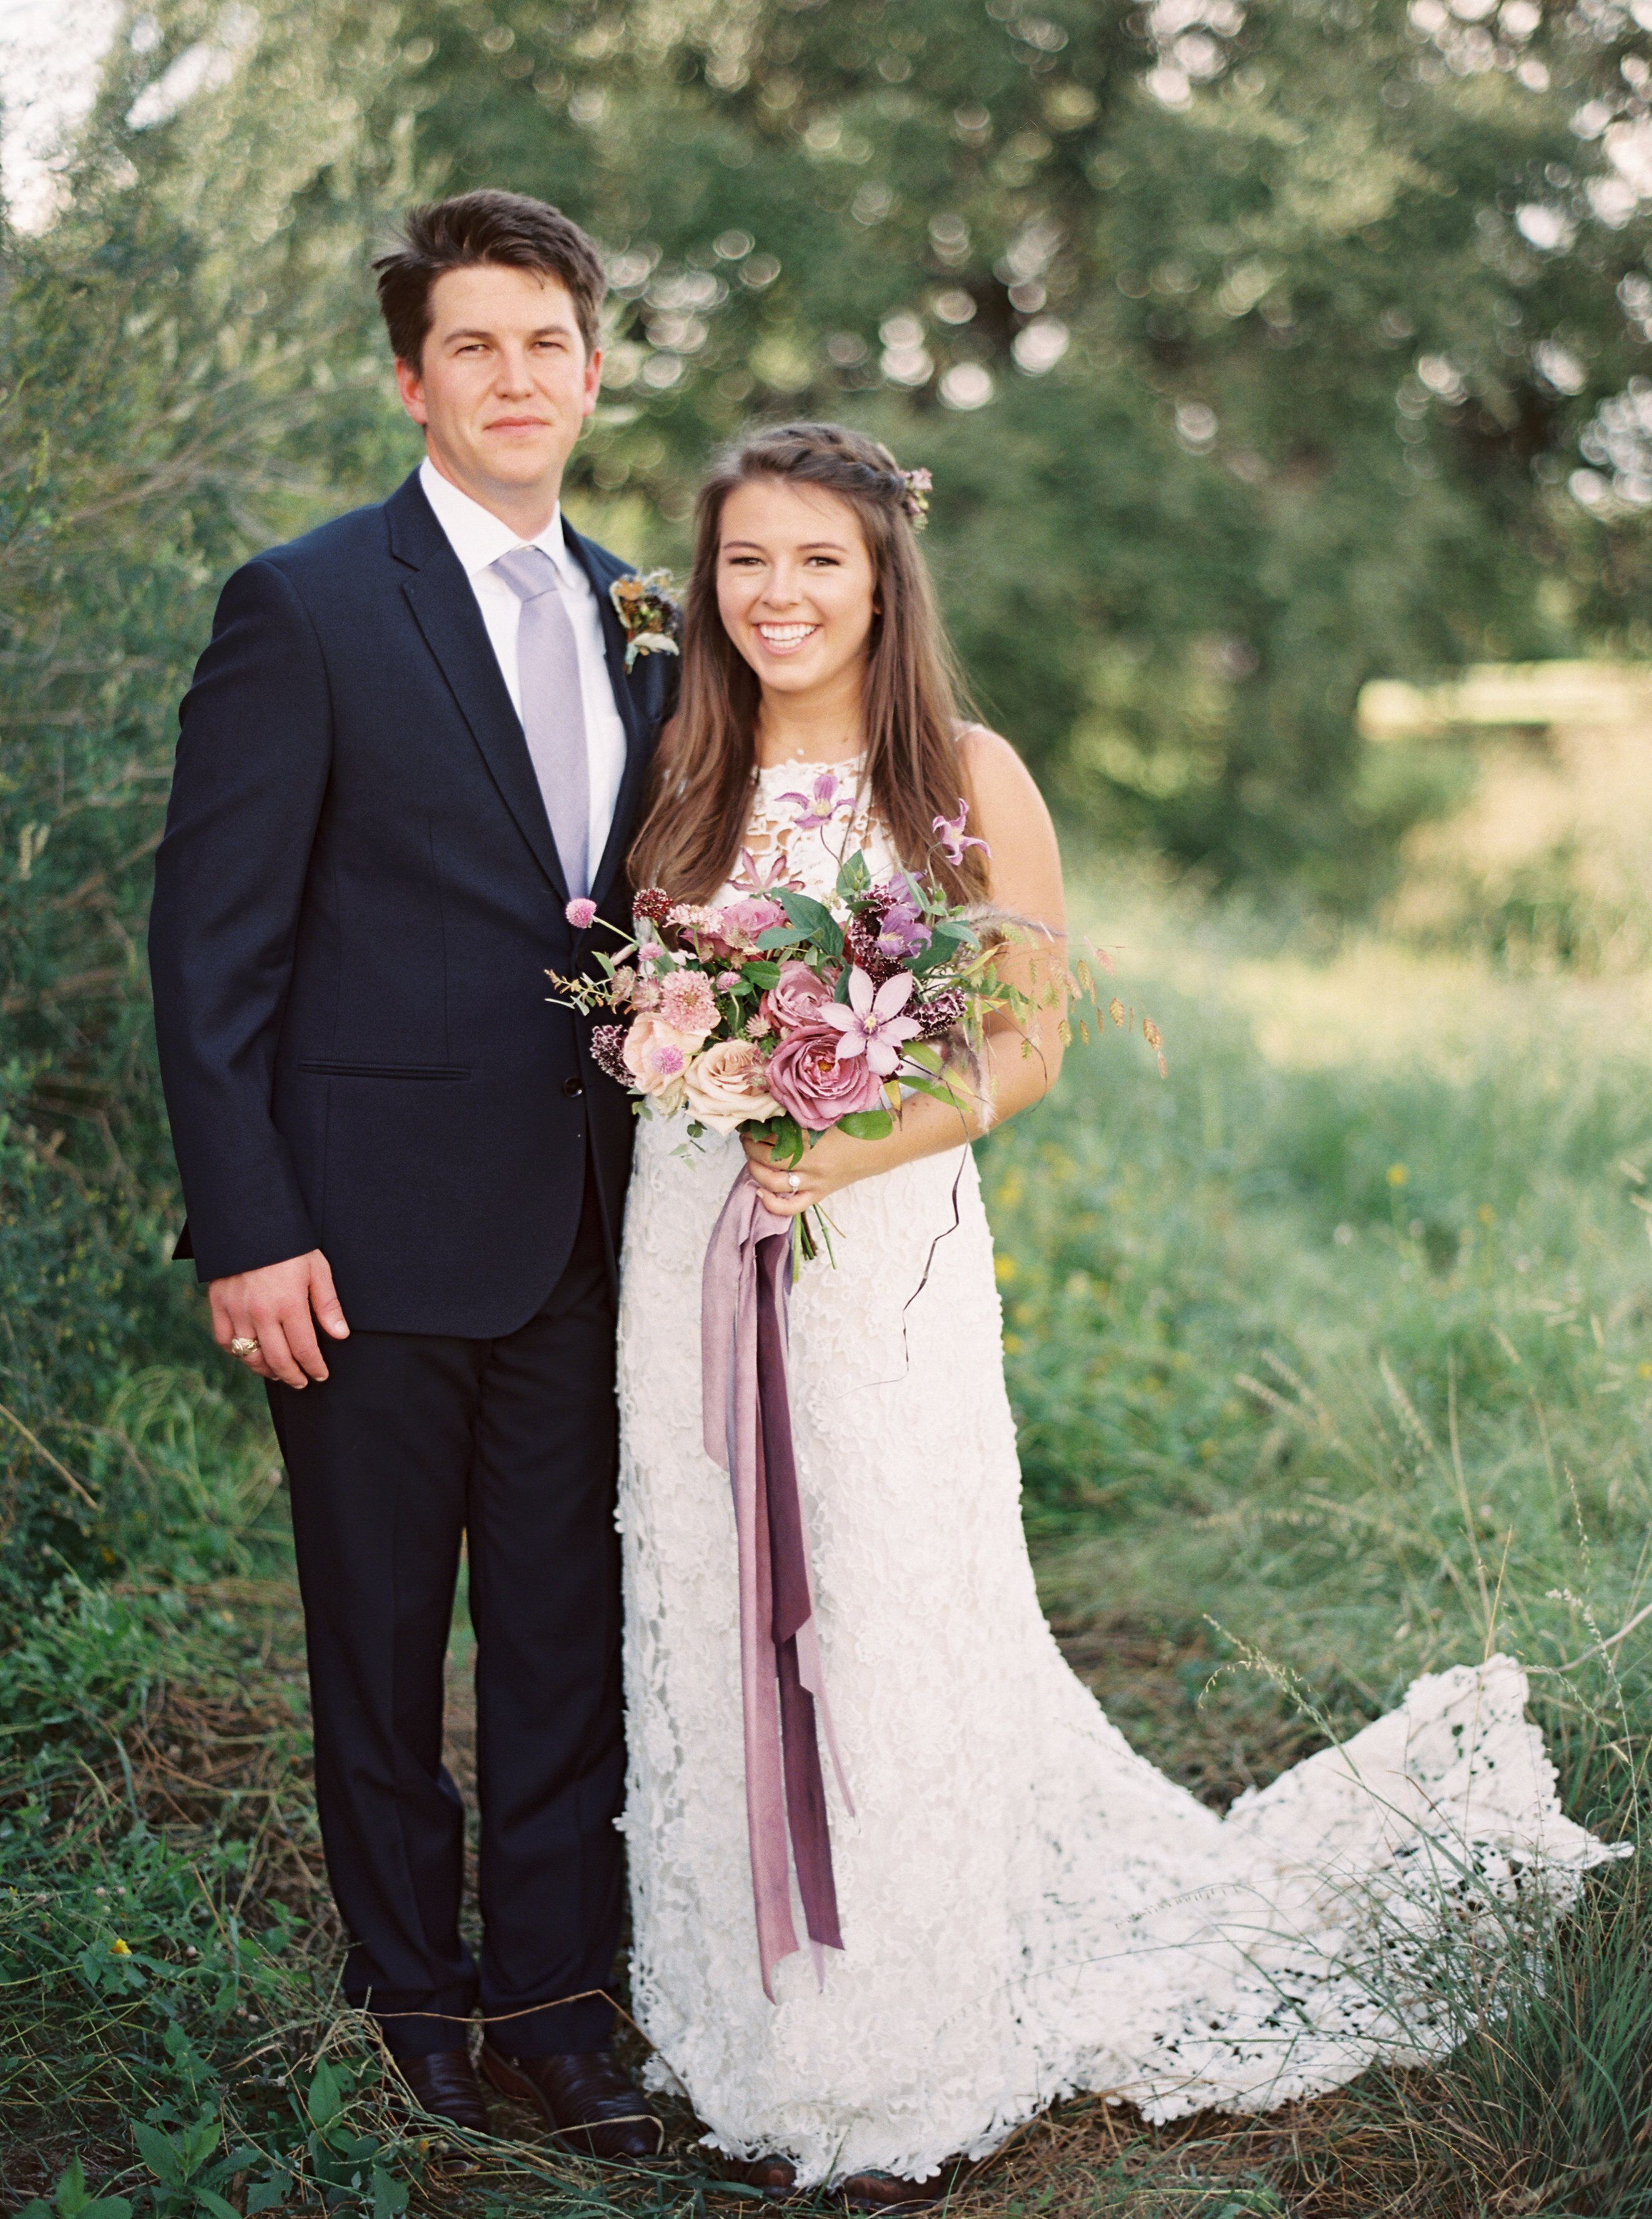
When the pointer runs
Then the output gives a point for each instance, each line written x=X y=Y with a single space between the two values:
x=356 y=900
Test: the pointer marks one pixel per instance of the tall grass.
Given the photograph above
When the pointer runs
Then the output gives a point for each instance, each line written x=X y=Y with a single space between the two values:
x=1332 y=1360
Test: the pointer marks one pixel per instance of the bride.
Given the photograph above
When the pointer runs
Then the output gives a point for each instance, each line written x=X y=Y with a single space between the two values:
x=1028 y=1907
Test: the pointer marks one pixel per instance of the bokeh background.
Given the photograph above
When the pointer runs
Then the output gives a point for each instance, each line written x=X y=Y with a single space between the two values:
x=1284 y=371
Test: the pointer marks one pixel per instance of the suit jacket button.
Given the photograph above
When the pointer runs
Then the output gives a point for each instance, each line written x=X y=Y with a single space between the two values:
x=572 y=1086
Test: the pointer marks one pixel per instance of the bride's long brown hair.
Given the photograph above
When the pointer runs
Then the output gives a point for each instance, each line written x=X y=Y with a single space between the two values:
x=701 y=788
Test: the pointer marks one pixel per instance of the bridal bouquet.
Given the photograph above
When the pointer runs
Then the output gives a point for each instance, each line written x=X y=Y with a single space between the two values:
x=802 y=1016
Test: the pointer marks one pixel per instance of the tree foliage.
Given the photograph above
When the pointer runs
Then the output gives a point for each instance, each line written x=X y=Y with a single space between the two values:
x=184 y=375
x=1268 y=334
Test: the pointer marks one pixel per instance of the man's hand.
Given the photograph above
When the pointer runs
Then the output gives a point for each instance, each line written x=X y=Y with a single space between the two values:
x=272 y=1307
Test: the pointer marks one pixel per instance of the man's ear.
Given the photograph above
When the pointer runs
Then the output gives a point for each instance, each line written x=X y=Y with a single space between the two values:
x=410 y=384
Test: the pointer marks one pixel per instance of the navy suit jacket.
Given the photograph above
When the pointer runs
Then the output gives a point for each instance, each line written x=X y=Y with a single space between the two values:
x=356 y=900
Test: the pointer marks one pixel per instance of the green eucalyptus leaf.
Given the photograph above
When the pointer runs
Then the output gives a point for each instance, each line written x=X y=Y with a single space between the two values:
x=867 y=1124
x=813 y=919
x=786 y=1134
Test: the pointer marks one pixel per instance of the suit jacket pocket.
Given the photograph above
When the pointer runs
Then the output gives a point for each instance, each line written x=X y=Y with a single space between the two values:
x=329 y=1069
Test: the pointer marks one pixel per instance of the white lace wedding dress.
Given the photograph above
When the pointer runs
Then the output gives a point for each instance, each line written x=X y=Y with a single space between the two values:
x=1028 y=1907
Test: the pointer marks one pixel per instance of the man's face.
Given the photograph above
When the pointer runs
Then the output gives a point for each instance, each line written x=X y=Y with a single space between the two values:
x=504 y=382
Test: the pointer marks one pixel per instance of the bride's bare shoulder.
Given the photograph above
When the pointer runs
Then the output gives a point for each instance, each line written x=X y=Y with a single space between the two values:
x=998 y=779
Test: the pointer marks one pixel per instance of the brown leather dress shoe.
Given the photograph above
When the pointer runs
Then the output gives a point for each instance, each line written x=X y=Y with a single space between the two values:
x=882 y=2192
x=445 y=2085
x=589 y=2099
x=774 y=2178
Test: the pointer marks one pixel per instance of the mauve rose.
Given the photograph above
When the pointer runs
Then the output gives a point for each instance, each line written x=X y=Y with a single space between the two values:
x=727 y=1084
x=743 y=920
x=795 y=998
x=810 y=1085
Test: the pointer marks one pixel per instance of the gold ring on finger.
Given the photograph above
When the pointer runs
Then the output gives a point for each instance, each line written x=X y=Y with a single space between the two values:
x=242 y=1345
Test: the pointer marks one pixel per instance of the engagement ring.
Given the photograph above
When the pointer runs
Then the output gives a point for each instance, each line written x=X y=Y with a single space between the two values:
x=794 y=1182
x=242 y=1346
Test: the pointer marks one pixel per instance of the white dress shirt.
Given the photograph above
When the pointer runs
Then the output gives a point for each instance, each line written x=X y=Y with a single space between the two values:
x=478 y=538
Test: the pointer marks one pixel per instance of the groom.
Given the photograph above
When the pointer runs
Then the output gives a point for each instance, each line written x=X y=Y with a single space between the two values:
x=412 y=743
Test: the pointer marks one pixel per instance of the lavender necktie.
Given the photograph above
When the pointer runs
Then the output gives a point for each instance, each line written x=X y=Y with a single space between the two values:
x=553 y=708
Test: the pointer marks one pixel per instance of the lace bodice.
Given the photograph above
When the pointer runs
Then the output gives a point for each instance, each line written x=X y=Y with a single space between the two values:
x=1030 y=1907
x=809 y=854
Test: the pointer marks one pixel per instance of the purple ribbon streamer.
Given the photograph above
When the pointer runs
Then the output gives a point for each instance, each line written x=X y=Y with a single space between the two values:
x=747 y=1421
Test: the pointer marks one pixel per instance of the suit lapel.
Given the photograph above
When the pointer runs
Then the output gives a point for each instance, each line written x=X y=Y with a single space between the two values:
x=602 y=573
x=445 y=607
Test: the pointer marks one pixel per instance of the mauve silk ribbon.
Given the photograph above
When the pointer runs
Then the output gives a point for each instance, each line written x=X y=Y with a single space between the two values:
x=747 y=1417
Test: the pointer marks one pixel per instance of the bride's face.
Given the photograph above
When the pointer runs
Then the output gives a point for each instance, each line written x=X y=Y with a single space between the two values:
x=795 y=584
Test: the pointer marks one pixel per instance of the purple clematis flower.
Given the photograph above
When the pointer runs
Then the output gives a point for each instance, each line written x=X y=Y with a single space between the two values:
x=871 y=1024
x=762 y=876
x=903 y=933
x=954 y=838
x=819 y=806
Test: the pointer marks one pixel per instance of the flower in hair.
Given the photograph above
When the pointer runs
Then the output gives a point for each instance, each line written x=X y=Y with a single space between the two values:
x=916 y=499
x=650 y=613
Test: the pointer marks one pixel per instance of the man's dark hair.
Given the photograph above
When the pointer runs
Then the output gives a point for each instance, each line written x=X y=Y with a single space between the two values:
x=477 y=228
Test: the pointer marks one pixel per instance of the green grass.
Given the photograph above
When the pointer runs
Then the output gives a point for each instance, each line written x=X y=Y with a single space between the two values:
x=1332 y=1356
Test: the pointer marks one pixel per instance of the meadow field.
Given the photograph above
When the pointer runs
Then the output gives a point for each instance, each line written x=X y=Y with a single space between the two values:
x=1332 y=1353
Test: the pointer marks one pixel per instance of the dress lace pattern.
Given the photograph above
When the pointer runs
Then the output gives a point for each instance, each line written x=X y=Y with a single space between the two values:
x=1029 y=1908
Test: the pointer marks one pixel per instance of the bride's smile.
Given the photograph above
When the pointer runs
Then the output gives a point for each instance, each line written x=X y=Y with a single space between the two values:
x=795 y=591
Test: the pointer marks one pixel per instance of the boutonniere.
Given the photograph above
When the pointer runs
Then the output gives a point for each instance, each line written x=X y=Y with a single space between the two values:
x=650 y=614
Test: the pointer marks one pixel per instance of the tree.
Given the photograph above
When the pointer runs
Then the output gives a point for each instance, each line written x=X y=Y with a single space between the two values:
x=187 y=371
x=1250 y=346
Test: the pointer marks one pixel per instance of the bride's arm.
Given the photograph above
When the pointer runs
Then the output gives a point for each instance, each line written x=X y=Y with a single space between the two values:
x=1024 y=1054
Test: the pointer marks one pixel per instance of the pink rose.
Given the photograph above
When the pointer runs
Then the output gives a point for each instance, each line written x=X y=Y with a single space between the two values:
x=795 y=998
x=743 y=920
x=809 y=1082
x=657 y=1058
x=726 y=1086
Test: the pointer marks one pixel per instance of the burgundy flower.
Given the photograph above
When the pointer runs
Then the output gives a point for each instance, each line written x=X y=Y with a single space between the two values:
x=608 y=1051
x=860 y=946
x=940 y=1012
x=806 y=1078
x=653 y=903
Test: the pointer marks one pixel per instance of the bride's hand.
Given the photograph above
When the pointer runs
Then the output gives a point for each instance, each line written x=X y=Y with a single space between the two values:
x=834 y=1160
